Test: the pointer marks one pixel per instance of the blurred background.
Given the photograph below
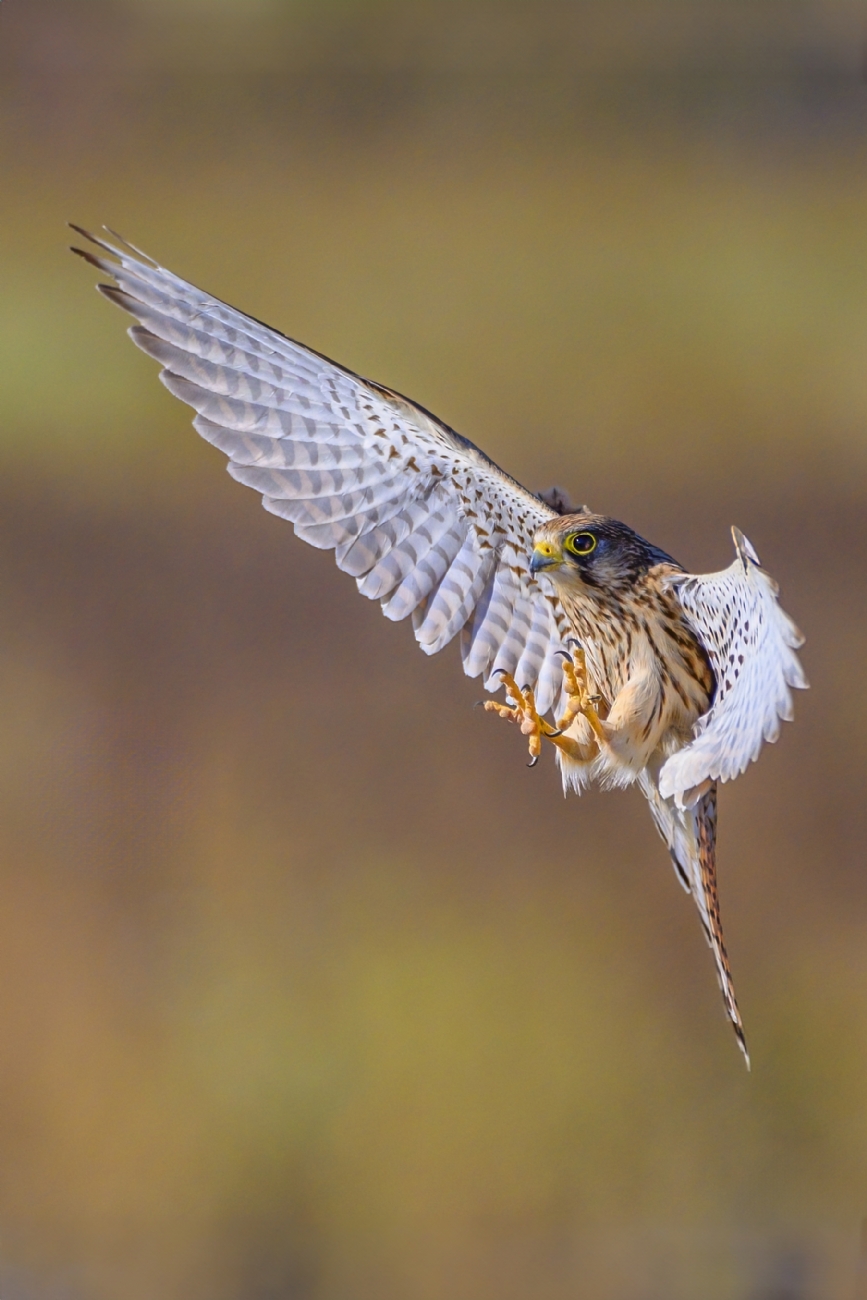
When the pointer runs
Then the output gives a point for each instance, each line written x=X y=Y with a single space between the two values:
x=309 y=990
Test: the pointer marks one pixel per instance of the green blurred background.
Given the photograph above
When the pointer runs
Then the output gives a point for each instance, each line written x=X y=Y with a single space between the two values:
x=309 y=990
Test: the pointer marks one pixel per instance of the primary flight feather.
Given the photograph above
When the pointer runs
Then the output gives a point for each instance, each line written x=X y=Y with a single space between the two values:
x=652 y=675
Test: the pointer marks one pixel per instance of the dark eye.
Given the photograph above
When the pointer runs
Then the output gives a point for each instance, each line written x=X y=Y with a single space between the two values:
x=581 y=543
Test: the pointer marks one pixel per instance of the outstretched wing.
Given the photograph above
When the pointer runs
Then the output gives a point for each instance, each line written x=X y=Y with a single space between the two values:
x=751 y=644
x=690 y=836
x=421 y=518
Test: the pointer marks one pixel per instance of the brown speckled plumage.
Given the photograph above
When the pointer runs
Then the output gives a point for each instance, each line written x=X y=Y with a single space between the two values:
x=632 y=630
x=626 y=618
x=694 y=671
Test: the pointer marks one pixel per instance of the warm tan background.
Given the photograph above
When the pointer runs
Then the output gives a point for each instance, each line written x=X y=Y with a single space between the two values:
x=309 y=990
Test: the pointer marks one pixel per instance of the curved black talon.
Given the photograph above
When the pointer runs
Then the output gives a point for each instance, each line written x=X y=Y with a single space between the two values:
x=498 y=672
x=533 y=761
x=552 y=734
x=525 y=689
x=478 y=704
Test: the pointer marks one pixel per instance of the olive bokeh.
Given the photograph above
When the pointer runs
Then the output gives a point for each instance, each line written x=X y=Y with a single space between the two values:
x=309 y=990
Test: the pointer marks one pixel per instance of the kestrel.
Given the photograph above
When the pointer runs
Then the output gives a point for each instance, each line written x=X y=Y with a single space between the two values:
x=650 y=674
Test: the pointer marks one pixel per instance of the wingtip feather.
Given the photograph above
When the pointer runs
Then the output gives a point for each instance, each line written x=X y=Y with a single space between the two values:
x=94 y=239
x=132 y=247
x=110 y=248
x=80 y=230
x=119 y=297
x=744 y=547
x=86 y=254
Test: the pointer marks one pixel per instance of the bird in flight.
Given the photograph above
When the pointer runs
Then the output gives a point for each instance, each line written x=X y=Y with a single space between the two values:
x=648 y=674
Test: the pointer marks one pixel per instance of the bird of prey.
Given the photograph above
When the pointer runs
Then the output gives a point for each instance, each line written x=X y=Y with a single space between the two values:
x=649 y=674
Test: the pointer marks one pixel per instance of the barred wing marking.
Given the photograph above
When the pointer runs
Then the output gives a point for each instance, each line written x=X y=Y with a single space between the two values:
x=751 y=644
x=419 y=516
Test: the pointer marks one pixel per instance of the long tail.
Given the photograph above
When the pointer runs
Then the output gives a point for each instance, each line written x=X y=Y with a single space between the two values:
x=704 y=814
x=690 y=835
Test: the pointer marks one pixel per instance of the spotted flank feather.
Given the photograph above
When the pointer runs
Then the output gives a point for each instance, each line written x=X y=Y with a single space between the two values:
x=423 y=520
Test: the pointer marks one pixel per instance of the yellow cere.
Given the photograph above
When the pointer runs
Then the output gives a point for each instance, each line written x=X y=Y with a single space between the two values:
x=548 y=551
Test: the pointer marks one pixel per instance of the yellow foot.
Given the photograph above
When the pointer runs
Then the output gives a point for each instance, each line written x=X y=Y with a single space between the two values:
x=523 y=712
x=579 y=701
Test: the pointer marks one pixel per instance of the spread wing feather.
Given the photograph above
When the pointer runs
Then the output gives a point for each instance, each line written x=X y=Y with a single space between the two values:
x=751 y=644
x=421 y=518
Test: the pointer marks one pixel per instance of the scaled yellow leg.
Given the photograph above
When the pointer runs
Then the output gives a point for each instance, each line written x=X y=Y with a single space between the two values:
x=579 y=702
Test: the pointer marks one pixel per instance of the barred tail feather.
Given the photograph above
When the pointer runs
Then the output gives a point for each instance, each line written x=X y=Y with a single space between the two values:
x=690 y=836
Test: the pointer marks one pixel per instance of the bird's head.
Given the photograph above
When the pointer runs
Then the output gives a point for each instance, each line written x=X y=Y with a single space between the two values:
x=587 y=550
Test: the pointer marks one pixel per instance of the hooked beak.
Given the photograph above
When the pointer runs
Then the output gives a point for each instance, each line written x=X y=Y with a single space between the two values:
x=546 y=555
